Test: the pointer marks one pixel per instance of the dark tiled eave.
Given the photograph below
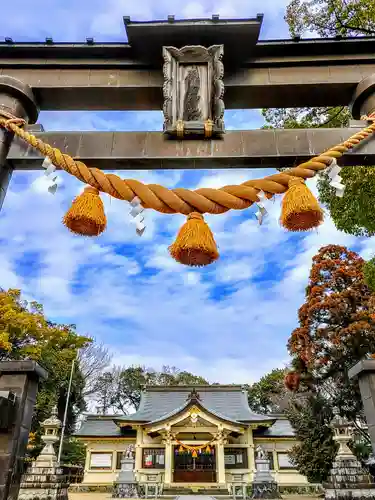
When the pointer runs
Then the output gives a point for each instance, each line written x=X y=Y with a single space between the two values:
x=109 y=54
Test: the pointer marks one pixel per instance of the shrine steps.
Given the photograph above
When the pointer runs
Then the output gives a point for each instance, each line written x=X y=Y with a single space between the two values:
x=214 y=491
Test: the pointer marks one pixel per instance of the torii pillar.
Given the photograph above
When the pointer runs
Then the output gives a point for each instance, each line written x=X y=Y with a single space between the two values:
x=364 y=372
x=16 y=99
x=363 y=103
x=18 y=390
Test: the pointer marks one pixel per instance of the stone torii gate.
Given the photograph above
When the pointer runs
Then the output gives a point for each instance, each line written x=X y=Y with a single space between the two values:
x=178 y=67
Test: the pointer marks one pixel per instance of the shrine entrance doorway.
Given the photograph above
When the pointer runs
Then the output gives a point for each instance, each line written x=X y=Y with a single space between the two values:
x=189 y=469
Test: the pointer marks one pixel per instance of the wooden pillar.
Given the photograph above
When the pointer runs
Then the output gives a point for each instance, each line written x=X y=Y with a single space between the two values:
x=17 y=99
x=250 y=455
x=21 y=378
x=168 y=462
x=138 y=452
x=275 y=464
x=87 y=460
x=364 y=372
x=251 y=461
x=138 y=457
x=220 y=462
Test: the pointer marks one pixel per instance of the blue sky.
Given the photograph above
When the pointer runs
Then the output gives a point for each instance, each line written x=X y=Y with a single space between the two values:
x=228 y=322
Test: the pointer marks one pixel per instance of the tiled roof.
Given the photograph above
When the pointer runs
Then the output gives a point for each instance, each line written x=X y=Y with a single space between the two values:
x=158 y=403
x=281 y=428
x=228 y=402
x=96 y=426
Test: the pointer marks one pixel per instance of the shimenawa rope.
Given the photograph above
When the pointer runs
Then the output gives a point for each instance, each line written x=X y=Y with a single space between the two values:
x=180 y=200
x=195 y=243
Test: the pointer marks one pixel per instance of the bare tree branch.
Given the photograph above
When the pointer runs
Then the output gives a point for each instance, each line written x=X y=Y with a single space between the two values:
x=93 y=360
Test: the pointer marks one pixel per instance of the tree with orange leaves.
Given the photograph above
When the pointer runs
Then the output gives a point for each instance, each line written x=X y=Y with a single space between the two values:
x=336 y=327
x=336 y=330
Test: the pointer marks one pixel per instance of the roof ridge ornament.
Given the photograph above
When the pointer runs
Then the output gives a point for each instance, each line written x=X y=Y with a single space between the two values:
x=193 y=396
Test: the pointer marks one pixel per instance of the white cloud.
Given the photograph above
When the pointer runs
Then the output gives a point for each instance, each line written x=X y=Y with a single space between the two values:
x=128 y=292
x=106 y=21
x=234 y=272
x=194 y=10
x=219 y=370
x=25 y=21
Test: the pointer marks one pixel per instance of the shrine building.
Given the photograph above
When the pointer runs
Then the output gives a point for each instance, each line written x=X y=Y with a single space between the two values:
x=188 y=437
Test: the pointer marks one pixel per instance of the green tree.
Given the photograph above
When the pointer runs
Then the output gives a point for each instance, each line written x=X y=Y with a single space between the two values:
x=120 y=389
x=74 y=452
x=353 y=212
x=54 y=390
x=329 y=117
x=170 y=375
x=268 y=395
x=25 y=333
x=314 y=454
x=328 y=18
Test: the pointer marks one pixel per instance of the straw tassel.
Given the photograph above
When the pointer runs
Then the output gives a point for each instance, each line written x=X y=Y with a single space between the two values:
x=195 y=244
x=86 y=215
x=300 y=209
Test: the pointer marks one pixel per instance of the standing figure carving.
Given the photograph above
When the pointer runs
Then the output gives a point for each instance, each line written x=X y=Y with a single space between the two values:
x=193 y=91
x=192 y=110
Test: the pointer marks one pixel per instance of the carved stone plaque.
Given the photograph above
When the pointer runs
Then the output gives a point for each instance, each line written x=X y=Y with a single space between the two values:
x=193 y=91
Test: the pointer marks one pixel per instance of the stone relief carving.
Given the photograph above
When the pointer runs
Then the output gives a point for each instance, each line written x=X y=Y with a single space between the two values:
x=193 y=90
x=267 y=490
x=192 y=110
x=126 y=490
x=168 y=436
x=167 y=88
x=221 y=436
x=218 y=94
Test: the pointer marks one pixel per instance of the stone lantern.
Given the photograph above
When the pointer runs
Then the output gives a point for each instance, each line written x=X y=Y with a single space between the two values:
x=45 y=480
x=347 y=479
x=342 y=434
x=51 y=427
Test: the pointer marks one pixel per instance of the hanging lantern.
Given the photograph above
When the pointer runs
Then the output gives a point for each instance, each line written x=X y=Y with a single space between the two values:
x=181 y=449
x=194 y=454
x=208 y=449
